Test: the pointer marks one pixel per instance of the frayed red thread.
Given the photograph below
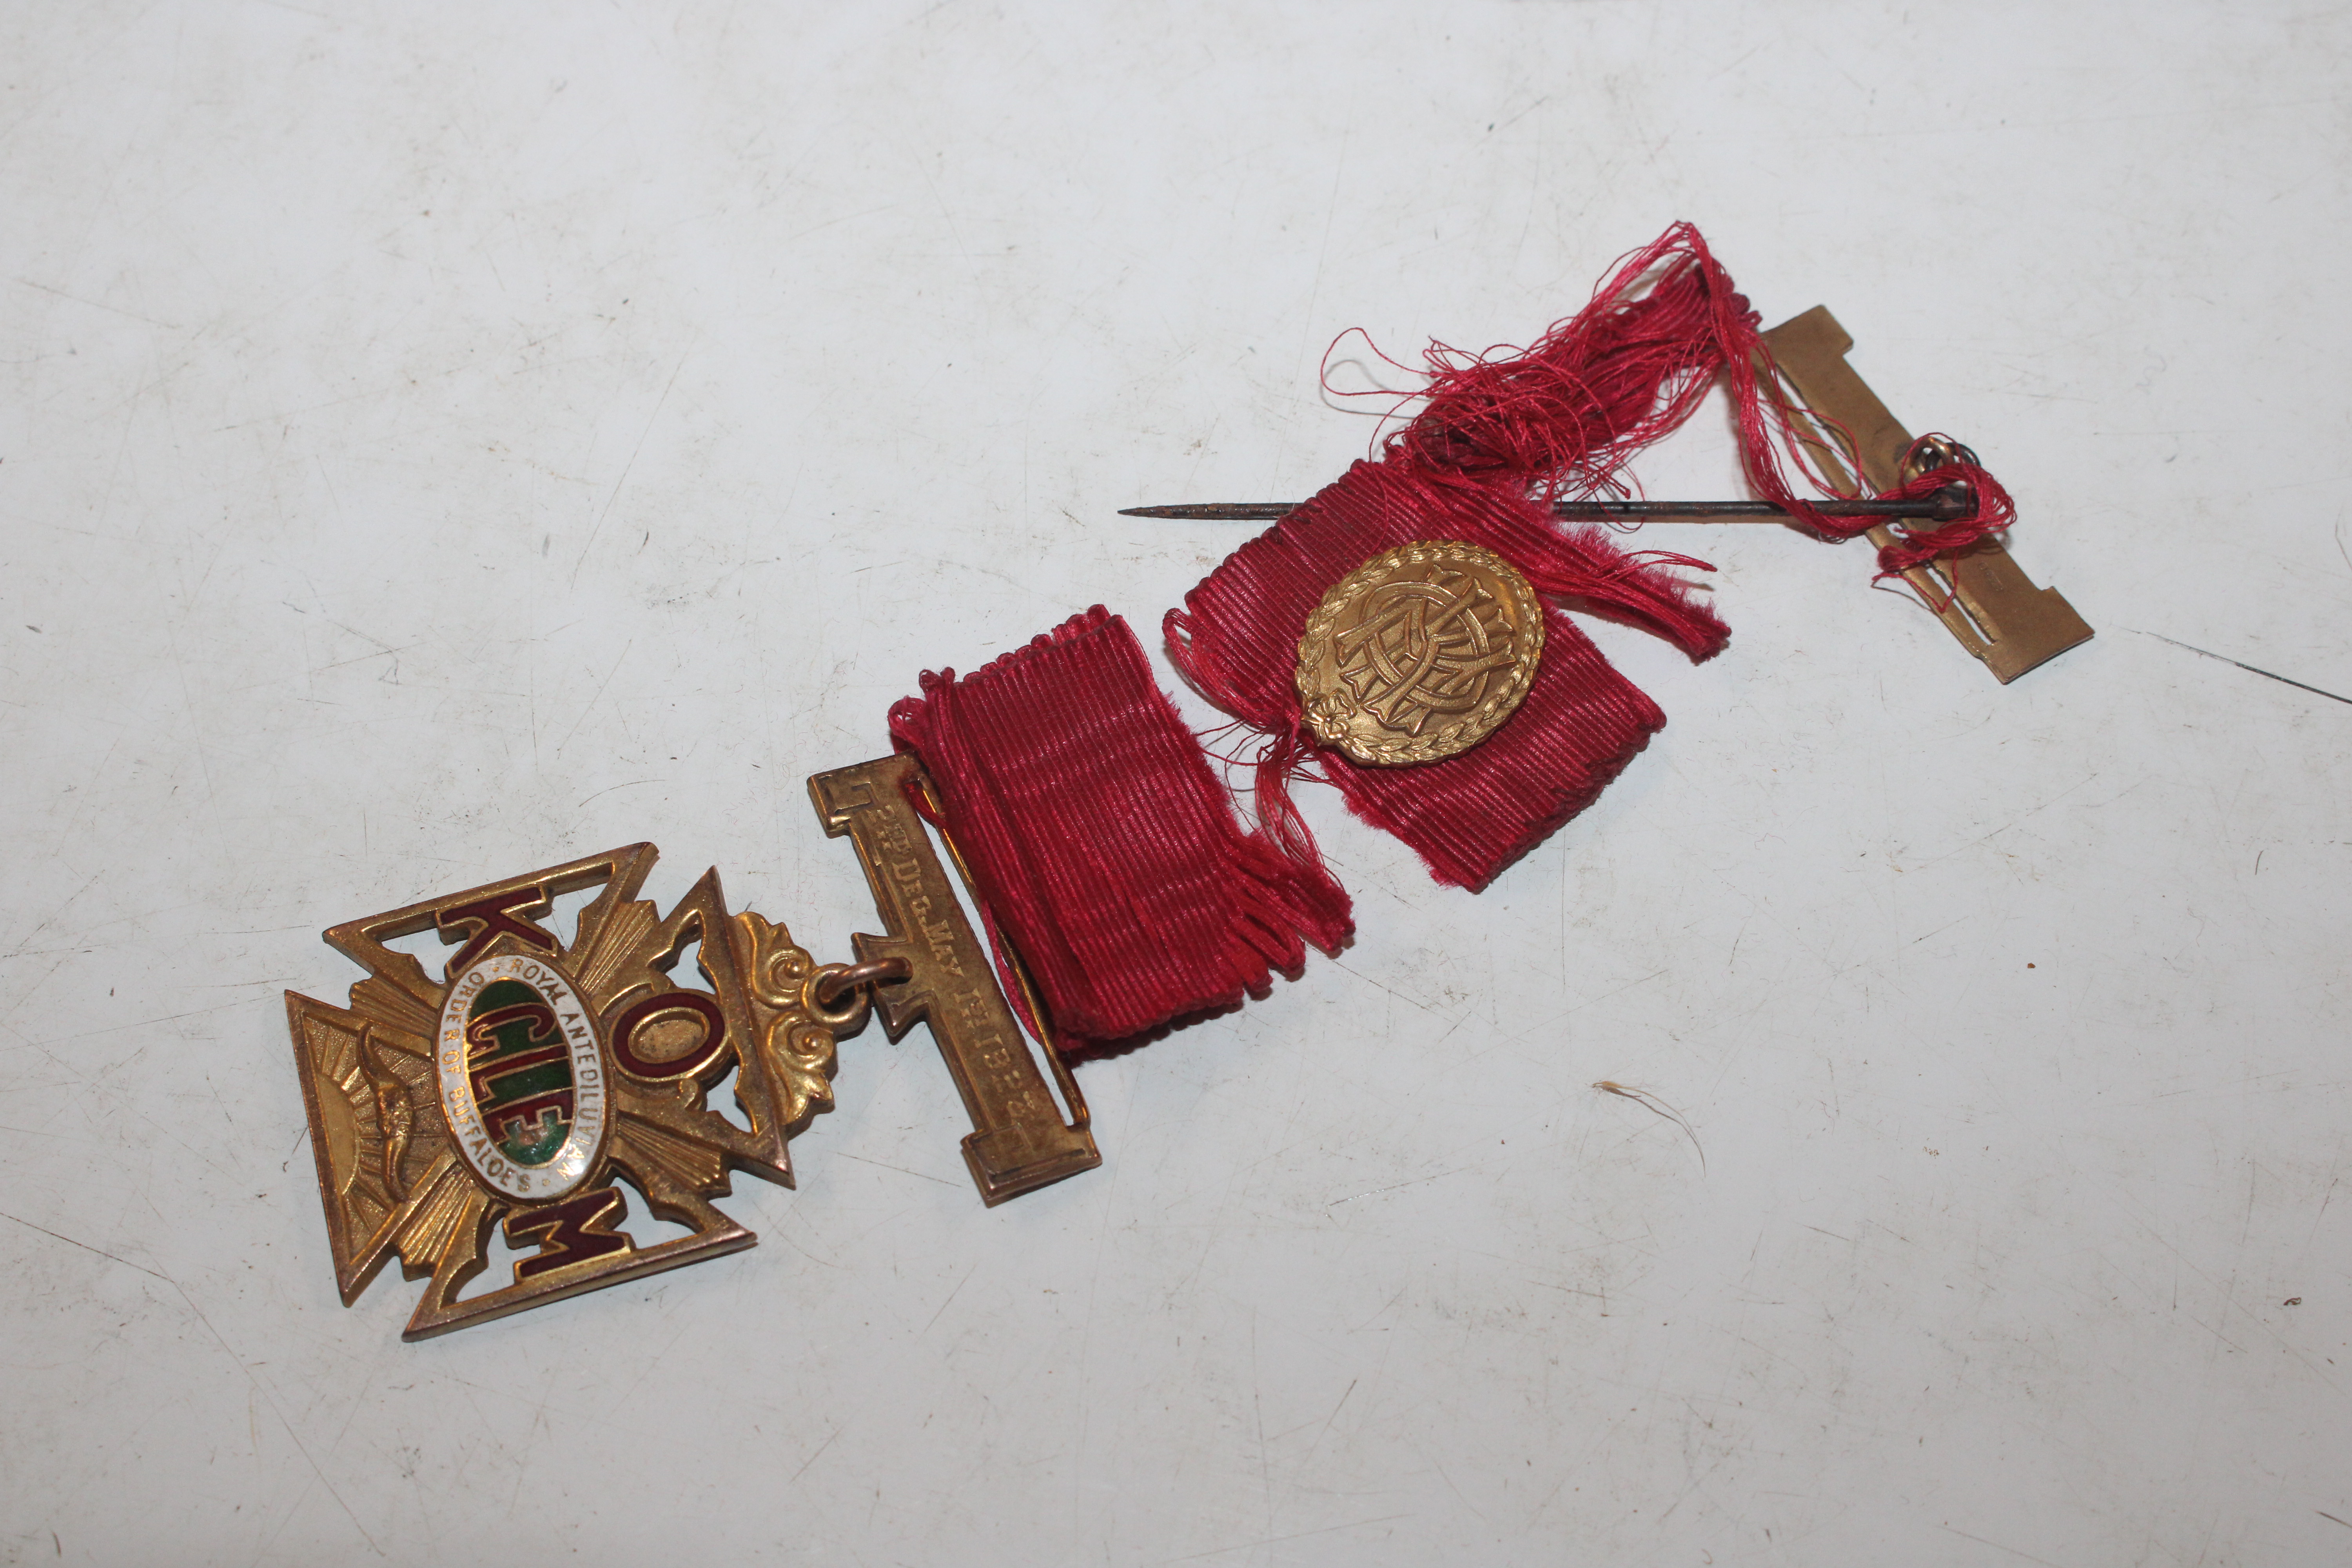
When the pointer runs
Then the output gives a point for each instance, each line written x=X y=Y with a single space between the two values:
x=1991 y=509
x=1568 y=412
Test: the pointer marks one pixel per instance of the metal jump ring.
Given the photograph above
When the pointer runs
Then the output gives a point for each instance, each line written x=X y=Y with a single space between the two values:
x=834 y=979
x=1937 y=452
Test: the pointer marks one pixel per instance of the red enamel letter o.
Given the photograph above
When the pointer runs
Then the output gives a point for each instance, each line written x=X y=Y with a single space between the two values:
x=694 y=1063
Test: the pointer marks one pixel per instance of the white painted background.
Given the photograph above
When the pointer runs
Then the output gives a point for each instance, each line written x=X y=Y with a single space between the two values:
x=438 y=441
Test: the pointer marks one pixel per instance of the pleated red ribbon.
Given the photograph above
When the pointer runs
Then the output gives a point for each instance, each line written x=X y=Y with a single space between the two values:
x=1100 y=842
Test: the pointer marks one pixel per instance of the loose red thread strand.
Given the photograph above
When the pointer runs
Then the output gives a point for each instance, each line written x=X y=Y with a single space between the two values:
x=1994 y=510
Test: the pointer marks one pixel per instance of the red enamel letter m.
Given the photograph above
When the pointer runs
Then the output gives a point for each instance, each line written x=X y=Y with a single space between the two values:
x=573 y=1231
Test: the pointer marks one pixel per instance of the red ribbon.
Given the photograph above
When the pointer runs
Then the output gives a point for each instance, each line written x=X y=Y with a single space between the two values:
x=1471 y=815
x=1100 y=841
x=1096 y=834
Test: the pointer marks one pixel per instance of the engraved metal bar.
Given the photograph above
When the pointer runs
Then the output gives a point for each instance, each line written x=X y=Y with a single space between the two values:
x=1019 y=1140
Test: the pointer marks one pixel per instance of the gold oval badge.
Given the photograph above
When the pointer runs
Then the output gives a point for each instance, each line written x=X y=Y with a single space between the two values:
x=1419 y=653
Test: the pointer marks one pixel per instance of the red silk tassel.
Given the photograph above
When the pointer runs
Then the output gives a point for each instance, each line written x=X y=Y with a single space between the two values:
x=1102 y=843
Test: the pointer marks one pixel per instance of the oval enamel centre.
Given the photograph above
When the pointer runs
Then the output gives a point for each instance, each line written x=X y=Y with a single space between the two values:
x=1419 y=653
x=522 y=1079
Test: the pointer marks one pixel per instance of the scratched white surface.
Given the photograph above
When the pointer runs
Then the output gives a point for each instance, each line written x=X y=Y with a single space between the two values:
x=438 y=441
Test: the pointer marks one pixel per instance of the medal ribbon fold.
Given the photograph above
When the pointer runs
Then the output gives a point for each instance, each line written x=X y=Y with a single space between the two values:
x=1101 y=843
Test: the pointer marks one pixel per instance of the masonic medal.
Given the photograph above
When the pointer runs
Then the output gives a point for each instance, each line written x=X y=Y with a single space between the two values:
x=550 y=1089
x=1405 y=629
x=532 y=1085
